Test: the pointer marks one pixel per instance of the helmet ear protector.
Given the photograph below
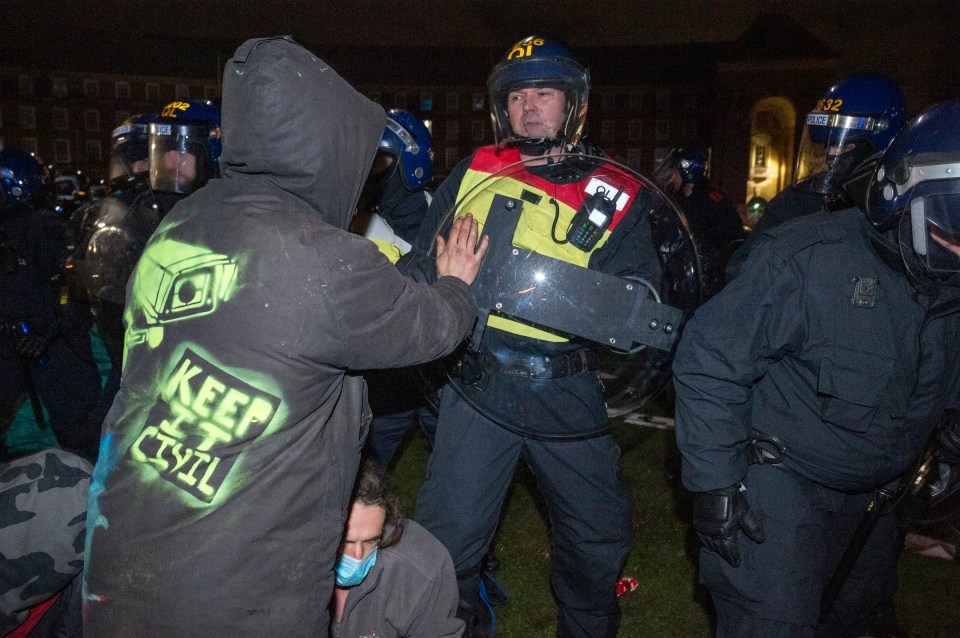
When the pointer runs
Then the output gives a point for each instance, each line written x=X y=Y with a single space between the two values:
x=407 y=139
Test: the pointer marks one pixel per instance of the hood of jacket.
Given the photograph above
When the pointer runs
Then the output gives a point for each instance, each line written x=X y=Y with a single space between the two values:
x=290 y=120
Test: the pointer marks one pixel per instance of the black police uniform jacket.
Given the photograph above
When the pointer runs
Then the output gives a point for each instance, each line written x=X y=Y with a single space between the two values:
x=228 y=457
x=822 y=344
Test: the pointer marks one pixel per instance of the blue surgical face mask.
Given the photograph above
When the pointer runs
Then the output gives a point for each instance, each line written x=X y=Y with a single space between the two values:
x=351 y=571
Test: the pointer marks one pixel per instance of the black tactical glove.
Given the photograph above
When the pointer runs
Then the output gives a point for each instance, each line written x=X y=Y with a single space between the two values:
x=30 y=342
x=718 y=516
x=944 y=496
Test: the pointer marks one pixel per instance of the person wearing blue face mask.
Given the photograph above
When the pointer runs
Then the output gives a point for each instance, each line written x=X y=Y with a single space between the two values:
x=393 y=578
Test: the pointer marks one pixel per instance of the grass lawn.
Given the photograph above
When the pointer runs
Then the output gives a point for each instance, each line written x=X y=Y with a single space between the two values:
x=668 y=601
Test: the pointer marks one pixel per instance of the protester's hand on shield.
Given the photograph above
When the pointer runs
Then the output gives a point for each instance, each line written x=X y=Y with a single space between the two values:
x=459 y=255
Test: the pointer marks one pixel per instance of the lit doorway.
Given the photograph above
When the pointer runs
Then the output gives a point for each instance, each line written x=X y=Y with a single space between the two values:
x=772 y=135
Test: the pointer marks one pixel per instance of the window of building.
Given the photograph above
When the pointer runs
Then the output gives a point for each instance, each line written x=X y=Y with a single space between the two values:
x=635 y=101
x=477 y=103
x=608 y=130
x=426 y=102
x=153 y=92
x=451 y=156
x=28 y=144
x=211 y=92
x=181 y=91
x=27 y=88
x=122 y=90
x=453 y=102
x=608 y=101
x=659 y=154
x=662 y=132
x=28 y=117
x=760 y=156
x=61 y=151
x=634 y=128
x=452 y=131
x=91 y=120
x=59 y=87
x=91 y=89
x=476 y=130
x=60 y=119
x=94 y=151
x=400 y=100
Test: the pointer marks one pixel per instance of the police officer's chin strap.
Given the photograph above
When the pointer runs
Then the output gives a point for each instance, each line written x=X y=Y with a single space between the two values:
x=537 y=146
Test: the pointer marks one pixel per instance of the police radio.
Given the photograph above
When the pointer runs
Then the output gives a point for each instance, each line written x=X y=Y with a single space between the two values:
x=592 y=218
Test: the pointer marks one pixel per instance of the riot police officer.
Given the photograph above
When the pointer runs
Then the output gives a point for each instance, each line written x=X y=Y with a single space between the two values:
x=392 y=206
x=714 y=222
x=157 y=160
x=812 y=381
x=526 y=391
x=46 y=353
x=851 y=124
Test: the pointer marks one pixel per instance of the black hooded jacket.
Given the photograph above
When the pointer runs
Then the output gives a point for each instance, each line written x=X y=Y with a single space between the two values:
x=228 y=457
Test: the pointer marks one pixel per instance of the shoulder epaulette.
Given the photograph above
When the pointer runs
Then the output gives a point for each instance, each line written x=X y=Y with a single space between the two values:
x=799 y=234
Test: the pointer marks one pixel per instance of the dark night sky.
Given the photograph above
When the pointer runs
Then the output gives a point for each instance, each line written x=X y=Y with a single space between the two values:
x=177 y=37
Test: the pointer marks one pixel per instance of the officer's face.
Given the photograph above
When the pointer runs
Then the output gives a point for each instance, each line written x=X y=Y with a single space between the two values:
x=364 y=530
x=536 y=112
x=183 y=166
x=946 y=243
x=140 y=167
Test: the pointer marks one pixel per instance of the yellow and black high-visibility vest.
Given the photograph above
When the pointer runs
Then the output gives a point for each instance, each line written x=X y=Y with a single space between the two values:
x=534 y=230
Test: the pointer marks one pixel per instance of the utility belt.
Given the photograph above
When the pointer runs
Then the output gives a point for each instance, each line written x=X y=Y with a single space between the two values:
x=475 y=366
x=765 y=449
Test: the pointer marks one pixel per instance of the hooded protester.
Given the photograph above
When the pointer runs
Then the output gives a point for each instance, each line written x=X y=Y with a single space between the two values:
x=227 y=460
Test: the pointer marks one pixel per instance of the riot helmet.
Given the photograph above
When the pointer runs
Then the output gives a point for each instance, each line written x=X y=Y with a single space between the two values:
x=537 y=62
x=917 y=185
x=23 y=179
x=854 y=120
x=130 y=153
x=185 y=146
x=686 y=165
x=407 y=140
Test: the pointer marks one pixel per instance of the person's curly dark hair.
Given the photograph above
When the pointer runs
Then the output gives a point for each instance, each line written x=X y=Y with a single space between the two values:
x=373 y=489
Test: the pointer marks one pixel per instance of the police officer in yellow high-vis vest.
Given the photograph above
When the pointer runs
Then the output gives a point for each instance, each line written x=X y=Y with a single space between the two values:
x=533 y=391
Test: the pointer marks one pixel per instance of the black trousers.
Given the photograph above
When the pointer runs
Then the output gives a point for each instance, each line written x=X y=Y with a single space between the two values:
x=777 y=590
x=469 y=473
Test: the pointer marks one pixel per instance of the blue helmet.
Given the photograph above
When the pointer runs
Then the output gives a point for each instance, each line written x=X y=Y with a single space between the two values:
x=185 y=146
x=407 y=140
x=539 y=62
x=917 y=183
x=855 y=119
x=691 y=163
x=22 y=178
x=130 y=154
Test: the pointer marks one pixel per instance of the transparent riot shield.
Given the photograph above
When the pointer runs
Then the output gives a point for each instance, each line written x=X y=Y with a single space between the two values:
x=112 y=252
x=583 y=252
